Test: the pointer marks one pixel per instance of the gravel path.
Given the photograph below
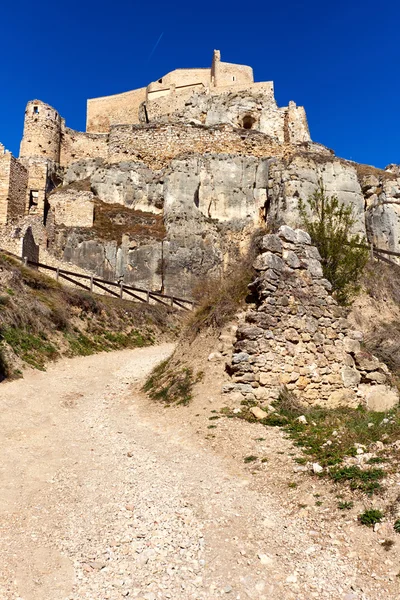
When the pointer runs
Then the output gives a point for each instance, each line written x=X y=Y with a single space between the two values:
x=101 y=500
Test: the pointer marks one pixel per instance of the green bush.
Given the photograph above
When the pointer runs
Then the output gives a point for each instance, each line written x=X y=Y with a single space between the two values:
x=330 y=225
x=370 y=517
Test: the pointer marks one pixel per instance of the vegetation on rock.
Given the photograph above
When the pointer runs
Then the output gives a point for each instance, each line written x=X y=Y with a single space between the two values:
x=330 y=223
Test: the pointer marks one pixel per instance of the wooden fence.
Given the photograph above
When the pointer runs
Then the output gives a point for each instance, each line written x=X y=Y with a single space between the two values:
x=118 y=289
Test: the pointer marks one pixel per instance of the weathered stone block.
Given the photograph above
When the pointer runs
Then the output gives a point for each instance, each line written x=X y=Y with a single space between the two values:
x=350 y=377
x=288 y=234
x=271 y=243
x=268 y=260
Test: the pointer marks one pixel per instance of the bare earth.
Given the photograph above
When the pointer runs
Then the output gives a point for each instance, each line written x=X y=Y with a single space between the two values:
x=105 y=495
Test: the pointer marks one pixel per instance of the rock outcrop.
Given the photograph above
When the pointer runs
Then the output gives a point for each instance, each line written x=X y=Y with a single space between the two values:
x=296 y=336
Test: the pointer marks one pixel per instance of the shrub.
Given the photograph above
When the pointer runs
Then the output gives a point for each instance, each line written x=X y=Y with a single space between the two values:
x=330 y=224
x=370 y=517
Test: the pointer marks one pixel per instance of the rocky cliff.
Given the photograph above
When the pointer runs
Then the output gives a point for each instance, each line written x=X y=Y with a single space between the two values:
x=209 y=205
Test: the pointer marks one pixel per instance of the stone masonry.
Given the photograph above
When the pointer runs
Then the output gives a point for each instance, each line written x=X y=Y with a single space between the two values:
x=296 y=336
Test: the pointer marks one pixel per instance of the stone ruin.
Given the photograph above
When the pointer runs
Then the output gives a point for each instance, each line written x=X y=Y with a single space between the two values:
x=296 y=336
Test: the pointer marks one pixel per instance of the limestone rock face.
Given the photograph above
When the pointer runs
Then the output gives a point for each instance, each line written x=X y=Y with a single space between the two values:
x=298 y=337
x=211 y=203
x=299 y=178
x=382 y=198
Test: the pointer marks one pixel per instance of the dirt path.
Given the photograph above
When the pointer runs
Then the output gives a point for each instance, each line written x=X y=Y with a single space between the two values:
x=103 y=497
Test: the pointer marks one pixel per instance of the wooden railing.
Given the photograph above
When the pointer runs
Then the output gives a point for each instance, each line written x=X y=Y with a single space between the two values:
x=118 y=289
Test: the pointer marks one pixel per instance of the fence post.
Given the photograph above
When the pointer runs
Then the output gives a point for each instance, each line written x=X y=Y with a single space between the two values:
x=121 y=289
x=172 y=300
x=148 y=297
x=58 y=273
x=91 y=283
x=25 y=261
x=371 y=251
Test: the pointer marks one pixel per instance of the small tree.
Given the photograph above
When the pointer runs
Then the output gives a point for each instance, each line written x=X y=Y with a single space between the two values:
x=330 y=224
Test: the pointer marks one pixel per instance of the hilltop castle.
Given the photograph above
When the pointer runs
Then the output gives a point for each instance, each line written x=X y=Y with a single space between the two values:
x=187 y=110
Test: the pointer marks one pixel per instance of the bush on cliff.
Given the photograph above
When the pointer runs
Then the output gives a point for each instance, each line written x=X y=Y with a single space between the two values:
x=330 y=223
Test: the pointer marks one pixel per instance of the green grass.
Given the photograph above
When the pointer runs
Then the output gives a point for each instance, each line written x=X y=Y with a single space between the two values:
x=34 y=349
x=370 y=517
x=249 y=459
x=331 y=436
x=345 y=505
x=172 y=382
x=367 y=481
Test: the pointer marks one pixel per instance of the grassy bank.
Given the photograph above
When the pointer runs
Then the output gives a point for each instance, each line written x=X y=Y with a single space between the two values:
x=41 y=320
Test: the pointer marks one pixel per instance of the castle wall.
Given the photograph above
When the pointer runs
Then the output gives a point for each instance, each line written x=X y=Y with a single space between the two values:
x=112 y=110
x=77 y=145
x=13 y=184
x=230 y=74
x=180 y=78
x=158 y=145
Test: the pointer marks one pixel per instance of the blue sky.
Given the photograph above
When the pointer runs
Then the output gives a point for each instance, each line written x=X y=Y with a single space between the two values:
x=339 y=59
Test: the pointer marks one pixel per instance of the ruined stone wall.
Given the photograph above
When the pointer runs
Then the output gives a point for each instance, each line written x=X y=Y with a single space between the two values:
x=112 y=110
x=5 y=161
x=17 y=189
x=35 y=197
x=76 y=145
x=13 y=185
x=72 y=208
x=157 y=145
x=179 y=78
x=298 y=337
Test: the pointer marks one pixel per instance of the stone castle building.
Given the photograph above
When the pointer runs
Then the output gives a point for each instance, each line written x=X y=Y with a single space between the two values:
x=185 y=110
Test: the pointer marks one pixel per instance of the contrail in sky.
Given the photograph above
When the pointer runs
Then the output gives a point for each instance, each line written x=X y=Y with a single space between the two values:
x=155 y=47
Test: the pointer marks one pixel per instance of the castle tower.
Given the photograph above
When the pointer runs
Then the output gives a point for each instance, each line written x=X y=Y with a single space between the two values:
x=42 y=132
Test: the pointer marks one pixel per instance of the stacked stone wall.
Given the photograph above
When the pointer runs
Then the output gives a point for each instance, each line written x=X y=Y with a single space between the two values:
x=76 y=145
x=157 y=145
x=299 y=338
x=17 y=189
x=13 y=185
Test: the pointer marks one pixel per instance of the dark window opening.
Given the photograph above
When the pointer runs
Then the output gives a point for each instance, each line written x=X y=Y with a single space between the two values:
x=160 y=80
x=33 y=200
x=233 y=78
x=35 y=110
x=248 y=122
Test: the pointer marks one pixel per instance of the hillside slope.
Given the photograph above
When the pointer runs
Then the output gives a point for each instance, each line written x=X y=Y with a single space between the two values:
x=41 y=320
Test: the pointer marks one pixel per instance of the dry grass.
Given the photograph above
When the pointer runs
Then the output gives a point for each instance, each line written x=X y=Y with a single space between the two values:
x=219 y=299
x=112 y=221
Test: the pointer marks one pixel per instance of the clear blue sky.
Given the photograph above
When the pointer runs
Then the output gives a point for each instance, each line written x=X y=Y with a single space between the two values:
x=339 y=59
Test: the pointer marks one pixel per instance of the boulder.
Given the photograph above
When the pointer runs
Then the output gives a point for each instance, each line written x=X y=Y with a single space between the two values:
x=258 y=412
x=344 y=397
x=381 y=398
x=288 y=234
